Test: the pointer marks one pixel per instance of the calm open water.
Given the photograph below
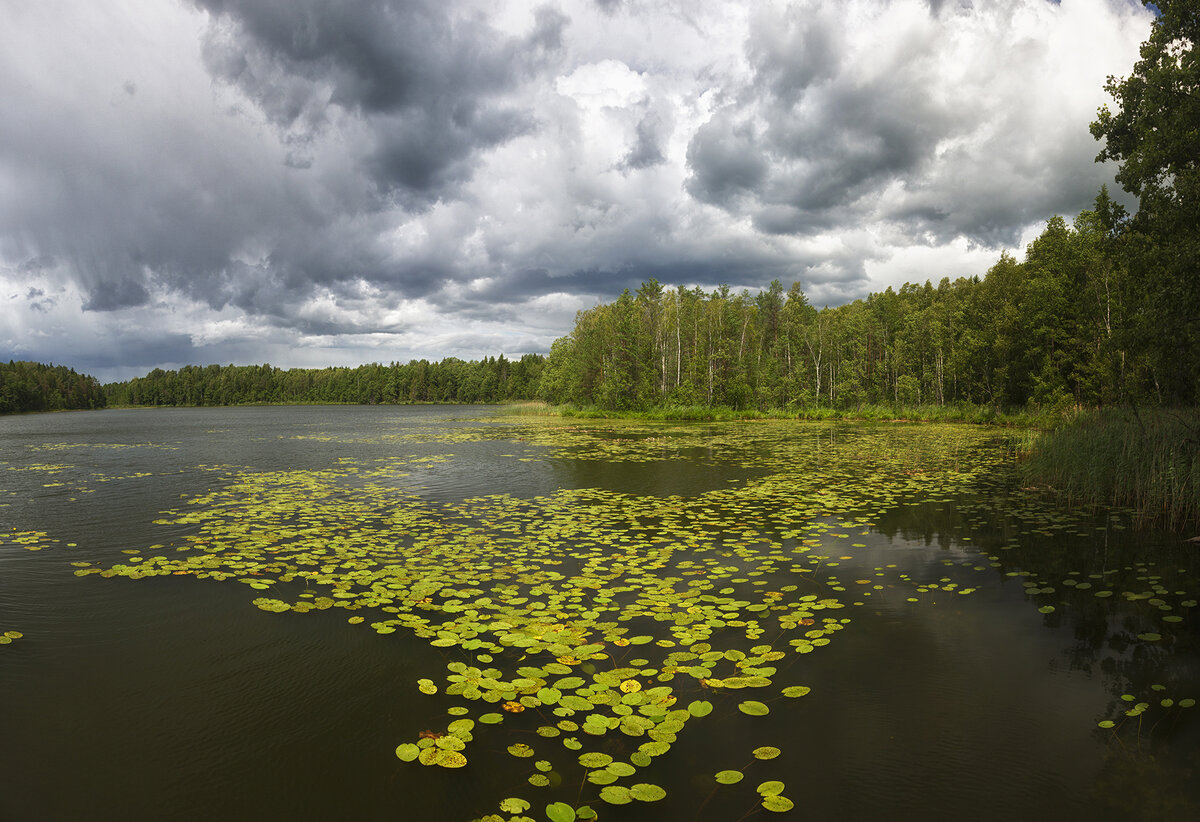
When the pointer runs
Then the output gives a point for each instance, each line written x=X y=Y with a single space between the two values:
x=175 y=698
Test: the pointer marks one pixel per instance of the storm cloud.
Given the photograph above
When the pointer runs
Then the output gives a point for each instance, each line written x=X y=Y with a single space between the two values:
x=315 y=182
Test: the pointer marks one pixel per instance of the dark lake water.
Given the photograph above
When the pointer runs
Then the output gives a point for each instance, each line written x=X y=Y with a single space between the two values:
x=963 y=639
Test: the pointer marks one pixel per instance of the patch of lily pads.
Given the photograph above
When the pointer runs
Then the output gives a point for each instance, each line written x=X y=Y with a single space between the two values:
x=586 y=632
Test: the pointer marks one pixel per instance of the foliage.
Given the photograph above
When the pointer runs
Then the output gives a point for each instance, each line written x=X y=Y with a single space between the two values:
x=1155 y=136
x=492 y=379
x=977 y=414
x=32 y=386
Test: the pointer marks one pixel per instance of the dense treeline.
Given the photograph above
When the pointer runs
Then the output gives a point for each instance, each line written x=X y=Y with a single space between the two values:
x=33 y=386
x=492 y=379
x=1066 y=326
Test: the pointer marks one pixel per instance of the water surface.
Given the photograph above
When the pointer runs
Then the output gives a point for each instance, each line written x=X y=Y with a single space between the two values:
x=966 y=662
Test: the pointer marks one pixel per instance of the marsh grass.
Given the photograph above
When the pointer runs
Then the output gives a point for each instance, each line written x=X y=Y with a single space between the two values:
x=529 y=408
x=979 y=415
x=1147 y=460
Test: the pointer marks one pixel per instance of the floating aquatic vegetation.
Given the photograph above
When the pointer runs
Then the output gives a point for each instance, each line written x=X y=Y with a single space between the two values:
x=30 y=540
x=588 y=630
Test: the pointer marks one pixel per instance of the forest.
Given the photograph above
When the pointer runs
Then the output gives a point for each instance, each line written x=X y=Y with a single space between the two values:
x=32 y=386
x=490 y=380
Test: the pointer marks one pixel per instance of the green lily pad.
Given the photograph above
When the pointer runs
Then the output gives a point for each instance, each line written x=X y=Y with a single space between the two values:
x=602 y=776
x=778 y=804
x=616 y=795
x=730 y=777
x=449 y=759
x=594 y=759
x=766 y=752
x=646 y=792
x=560 y=812
x=753 y=708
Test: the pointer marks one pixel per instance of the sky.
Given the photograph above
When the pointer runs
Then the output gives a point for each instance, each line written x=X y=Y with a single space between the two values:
x=314 y=183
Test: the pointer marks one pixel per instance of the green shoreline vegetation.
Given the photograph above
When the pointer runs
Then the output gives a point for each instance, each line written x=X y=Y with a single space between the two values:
x=1146 y=460
x=976 y=415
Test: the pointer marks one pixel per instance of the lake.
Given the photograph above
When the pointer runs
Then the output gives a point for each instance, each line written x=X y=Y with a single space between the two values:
x=437 y=613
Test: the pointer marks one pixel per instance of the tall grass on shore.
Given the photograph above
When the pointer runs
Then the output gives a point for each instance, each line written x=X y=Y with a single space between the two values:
x=1146 y=460
x=981 y=415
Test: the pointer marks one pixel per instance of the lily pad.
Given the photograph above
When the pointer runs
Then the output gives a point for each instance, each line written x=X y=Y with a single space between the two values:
x=560 y=812
x=646 y=792
x=616 y=795
x=777 y=804
x=594 y=759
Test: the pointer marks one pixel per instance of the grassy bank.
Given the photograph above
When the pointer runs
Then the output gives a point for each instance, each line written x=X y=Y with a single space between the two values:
x=1147 y=460
x=981 y=415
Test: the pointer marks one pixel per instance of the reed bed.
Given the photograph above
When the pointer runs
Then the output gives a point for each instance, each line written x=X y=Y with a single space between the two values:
x=1146 y=460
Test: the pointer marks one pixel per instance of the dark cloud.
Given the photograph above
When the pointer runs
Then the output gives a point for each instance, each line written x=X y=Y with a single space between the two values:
x=837 y=127
x=647 y=149
x=296 y=55
x=426 y=85
x=376 y=107
x=726 y=160
x=423 y=154
x=791 y=54
x=140 y=351
x=833 y=133
x=38 y=301
x=112 y=295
